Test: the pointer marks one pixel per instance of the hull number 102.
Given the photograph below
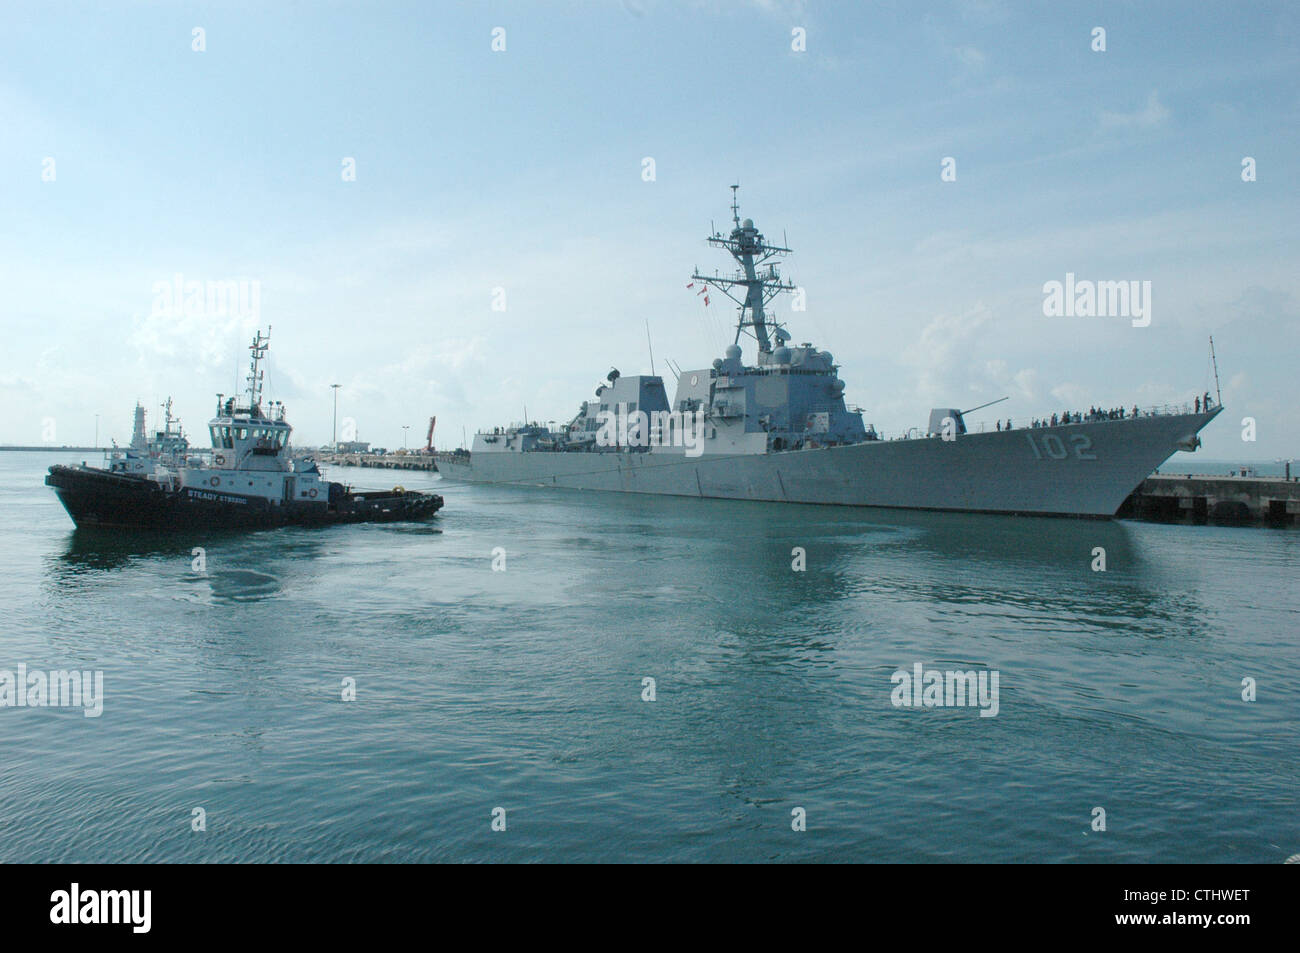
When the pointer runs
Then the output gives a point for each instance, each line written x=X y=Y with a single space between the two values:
x=1051 y=447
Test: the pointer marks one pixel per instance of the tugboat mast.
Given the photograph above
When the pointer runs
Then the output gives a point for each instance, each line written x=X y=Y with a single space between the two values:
x=258 y=349
x=752 y=253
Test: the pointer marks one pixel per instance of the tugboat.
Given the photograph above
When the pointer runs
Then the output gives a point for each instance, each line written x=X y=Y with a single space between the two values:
x=168 y=447
x=253 y=480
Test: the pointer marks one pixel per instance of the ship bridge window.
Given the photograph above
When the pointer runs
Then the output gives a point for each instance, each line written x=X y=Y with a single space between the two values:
x=226 y=442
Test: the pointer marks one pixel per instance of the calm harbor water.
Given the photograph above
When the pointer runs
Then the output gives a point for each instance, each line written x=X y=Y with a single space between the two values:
x=522 y=689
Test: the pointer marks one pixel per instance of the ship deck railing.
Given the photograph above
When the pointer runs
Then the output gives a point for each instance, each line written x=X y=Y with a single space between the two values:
x=1152 y=410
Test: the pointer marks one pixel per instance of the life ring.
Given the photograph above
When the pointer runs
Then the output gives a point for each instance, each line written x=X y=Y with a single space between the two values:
x=219 y=460
x=312 y=493
x=215 y=481
x=399 y=489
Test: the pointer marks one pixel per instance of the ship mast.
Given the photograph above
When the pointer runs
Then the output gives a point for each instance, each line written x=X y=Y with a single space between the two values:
x=258 y=350
x=757 y=275
x=1218 y=394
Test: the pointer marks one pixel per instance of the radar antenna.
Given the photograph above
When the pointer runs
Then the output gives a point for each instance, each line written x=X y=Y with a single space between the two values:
x=761 y=284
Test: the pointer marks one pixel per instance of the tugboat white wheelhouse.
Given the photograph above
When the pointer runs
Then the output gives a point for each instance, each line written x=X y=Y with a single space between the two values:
x=252 y=481
x=779 y=430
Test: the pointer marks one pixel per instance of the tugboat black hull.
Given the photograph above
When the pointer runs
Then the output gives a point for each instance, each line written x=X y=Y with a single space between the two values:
x=99 y=498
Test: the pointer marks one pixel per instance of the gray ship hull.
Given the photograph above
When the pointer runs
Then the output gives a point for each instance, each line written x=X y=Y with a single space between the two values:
x=1085 y=469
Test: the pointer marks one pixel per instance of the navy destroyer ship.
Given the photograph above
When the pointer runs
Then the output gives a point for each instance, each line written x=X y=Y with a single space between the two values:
x=251 y=479
x=778 y=430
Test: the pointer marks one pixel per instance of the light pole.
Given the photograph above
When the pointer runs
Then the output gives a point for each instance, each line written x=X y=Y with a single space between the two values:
x=96 y=431
x=405 y=427
x=335 y=445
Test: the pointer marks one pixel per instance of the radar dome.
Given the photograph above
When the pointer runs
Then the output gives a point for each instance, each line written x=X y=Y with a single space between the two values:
x=781 y=355
x=733 y=353
x=747 y=223
x=828 y=357
x=717 y=363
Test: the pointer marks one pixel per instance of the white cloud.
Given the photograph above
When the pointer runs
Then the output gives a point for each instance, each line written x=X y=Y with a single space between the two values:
x=1027 y=382
x=1152 y=114
x=1074 y=396
x=934 y=354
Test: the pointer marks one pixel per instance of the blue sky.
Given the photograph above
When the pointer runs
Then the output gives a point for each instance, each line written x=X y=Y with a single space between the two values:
x=522 y=170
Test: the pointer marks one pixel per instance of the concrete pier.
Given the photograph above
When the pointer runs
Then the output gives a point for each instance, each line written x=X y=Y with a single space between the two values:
x=1228 y=500
x=383 y=461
